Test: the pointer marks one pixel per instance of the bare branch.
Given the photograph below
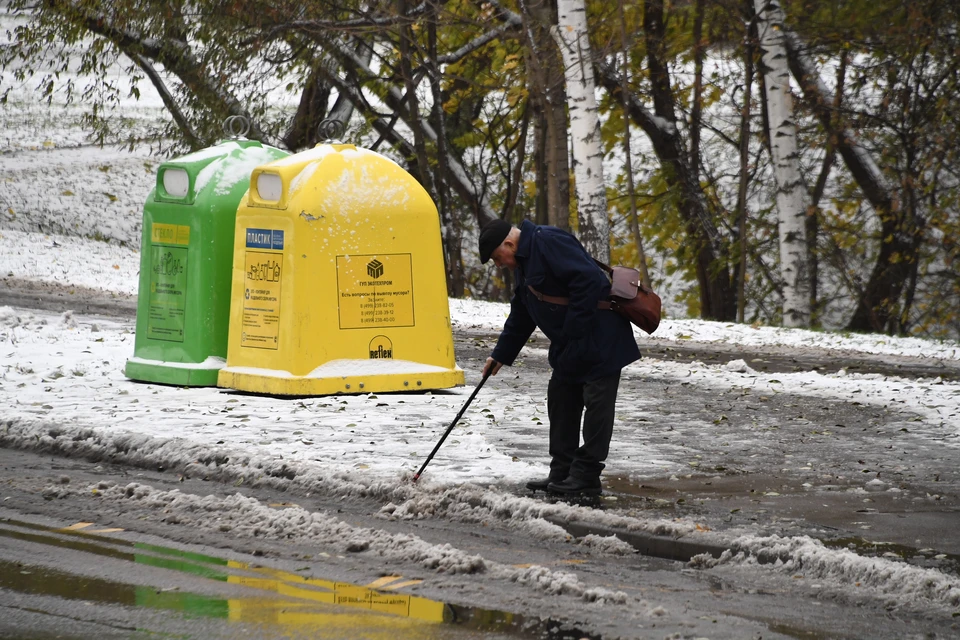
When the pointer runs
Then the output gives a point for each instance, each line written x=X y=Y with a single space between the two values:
x=168 y=101
x=174 y=54
x=476 y=43
x=396 y=100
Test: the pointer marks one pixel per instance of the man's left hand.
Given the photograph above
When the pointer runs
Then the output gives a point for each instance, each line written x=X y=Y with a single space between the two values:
x=491 y=367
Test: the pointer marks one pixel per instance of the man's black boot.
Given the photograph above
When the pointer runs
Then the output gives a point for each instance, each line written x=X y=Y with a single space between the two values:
x=574 y=486
x=541 y=485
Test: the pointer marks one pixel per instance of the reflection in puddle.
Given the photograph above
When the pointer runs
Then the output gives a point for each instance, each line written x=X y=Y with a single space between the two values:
x=324 y=608
x=800 y=634
x=629 y=493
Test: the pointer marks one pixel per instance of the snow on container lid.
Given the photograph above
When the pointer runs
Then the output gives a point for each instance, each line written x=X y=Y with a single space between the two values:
x=220 y=167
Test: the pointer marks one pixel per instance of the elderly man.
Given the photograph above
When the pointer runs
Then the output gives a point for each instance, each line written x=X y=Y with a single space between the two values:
x=561 y=290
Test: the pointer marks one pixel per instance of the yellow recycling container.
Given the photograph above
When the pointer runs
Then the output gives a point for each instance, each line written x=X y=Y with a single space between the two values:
x=338 y=280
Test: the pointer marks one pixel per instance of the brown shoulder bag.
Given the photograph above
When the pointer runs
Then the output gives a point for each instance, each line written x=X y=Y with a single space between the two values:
x=631 y=299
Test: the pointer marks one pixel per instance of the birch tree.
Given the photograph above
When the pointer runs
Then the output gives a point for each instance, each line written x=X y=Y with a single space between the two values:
x=791 y=194
x=885 y=285
x=571 y=37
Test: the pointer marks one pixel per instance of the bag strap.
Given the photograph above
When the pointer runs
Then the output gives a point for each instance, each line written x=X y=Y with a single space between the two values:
x=640 y=286
x=602 y=304
x=603 y=266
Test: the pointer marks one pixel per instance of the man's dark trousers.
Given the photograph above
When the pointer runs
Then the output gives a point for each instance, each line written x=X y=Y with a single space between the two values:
x=566 y=402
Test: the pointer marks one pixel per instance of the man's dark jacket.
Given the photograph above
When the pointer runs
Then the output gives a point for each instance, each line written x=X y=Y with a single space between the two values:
x=586 y=343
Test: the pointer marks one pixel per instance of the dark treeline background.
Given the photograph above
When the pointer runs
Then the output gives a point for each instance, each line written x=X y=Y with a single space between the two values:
x=470 y=97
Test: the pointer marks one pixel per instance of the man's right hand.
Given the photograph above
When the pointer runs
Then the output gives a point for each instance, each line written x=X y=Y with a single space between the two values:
x=491 y=367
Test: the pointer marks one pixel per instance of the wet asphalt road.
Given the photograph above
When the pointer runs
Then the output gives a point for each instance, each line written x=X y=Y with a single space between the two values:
x=77 y=566
x=64 y=574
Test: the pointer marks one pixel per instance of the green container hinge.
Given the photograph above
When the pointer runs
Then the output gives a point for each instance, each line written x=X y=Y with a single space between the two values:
x=186 y=261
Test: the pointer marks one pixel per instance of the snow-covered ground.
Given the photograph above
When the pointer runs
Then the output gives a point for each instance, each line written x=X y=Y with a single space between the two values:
x=53 y=366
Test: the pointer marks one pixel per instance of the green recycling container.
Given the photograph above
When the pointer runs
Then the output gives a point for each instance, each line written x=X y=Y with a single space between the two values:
x=186 y=262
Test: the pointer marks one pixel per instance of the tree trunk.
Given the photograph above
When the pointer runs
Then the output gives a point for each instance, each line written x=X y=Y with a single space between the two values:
x=342 y=109
x=449 y=225
x=515 y=185
x=717 y=299
x=908 y=262
x=745 y=110
x=813 y=233
x=571 y=36
x=413 y=105
x=634 y=218
x=696 y=112
x=813 y=214
x=540 y=162
x=545 y=79
x=791 y=195
x=311 y=110
x=898 y=232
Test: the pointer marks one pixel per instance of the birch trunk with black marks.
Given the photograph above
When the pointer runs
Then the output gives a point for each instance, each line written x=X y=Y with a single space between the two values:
x=899 y=232
x=791 y=193
x=742 y=213
x=571 y=37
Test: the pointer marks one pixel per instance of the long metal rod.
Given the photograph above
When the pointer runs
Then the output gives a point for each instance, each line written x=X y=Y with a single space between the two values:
x=450 y=428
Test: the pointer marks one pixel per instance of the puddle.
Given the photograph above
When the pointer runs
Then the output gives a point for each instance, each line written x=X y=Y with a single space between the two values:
x=800 y=634
x=926 y=558
x=280 y=599
x=629 y=493
x=624 y=492
x=619 y=493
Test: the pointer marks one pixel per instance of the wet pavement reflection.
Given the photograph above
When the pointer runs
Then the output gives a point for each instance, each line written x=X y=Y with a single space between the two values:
x=277 y=599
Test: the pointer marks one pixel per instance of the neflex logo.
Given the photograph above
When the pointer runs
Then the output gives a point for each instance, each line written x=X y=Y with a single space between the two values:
x=265 y=239
x=381 y=347
x=374 y=268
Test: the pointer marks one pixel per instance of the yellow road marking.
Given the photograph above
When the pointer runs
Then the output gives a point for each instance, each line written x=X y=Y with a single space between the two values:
x=400 y=585
x=84 y=525
x=385 y=580
x=528 y=565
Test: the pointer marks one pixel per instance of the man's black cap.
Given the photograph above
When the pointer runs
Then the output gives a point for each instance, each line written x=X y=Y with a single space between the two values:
x=492 y=236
